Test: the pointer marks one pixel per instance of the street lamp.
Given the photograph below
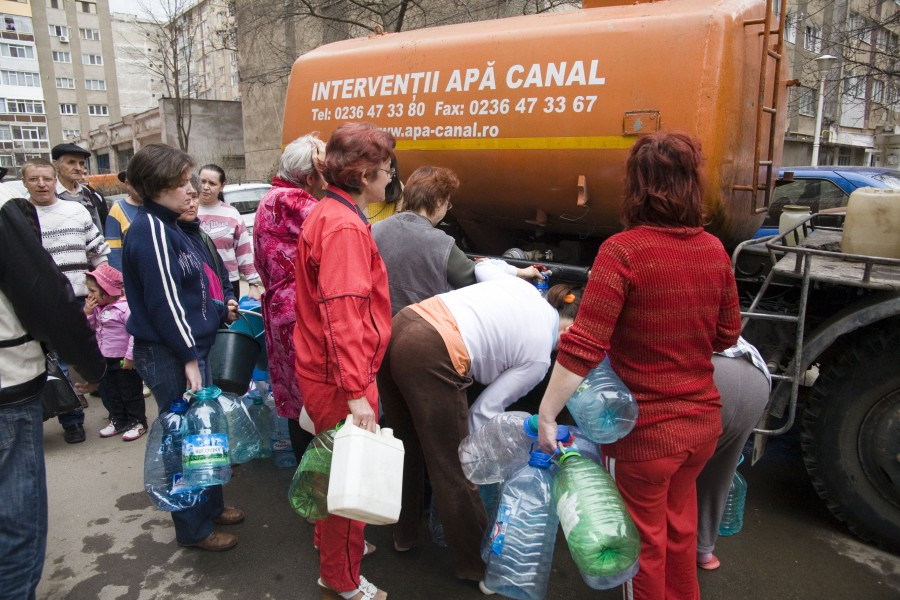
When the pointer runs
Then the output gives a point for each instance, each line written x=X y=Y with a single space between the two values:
x=823 y=64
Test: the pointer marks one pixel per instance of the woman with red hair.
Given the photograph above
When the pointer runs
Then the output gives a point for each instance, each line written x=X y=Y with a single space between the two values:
x=661 y=298
x=344 y=323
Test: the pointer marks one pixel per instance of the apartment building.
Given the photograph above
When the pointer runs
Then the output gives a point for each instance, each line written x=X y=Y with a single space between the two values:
x=207 y=56
x=57 y=79
x=861 y=109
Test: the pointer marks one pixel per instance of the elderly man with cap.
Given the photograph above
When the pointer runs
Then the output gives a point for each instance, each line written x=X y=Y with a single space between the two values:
x=69 y=160
x=70 y=236
x=119 y=220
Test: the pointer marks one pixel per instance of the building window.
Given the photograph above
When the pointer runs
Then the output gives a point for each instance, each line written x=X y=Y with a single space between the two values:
x=858 y=27
x=6 y=160
x=91 y=59
x=806 y=101
x=234 y=79
x=5 y=135
x=59 y=31
x=878 y=91
x=20 y=78
x=98 y=85
x=855 y=87
x=71 y=133
x=35 y=107
x=55 y=3
x=88 y=7
x=68 y=109
x=812 y=39
x=790 y=28
x=16 y=51
x=28 y=133
x=65 y=83
x=881 y=39
x=62 y=57
x=98 y=110
x=89 y=34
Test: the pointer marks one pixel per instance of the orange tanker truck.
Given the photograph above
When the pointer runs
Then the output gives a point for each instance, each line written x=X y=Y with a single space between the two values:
x=536 y=114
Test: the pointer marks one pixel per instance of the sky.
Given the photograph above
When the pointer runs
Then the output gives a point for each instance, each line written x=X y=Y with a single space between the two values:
x=125 y=6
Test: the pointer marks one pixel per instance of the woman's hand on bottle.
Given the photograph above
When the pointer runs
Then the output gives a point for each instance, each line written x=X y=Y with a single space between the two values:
x=531 y=273
x=193 y=377
x=363 y=415
x=547 y=435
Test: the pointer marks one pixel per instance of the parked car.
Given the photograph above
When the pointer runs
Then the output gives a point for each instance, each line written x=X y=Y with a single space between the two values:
x=823 y=188
x=245 y=198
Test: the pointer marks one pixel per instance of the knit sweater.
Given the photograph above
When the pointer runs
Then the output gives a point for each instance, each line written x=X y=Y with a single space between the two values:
x=660 y=301
x=72 y=239
x=225 y=227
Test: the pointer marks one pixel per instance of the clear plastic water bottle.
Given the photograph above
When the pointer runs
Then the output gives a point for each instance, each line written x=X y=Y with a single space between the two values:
x=584 y=446
x=523 y=534
x=243 y=438
x=282 y=450
x=163 y=479
x=733 y=515
x=602 y=406
x=261 y=415
x=501 y=446
x=308 y=493
x=602 y=538
x=435 y=526
x=205 y=456
x=543 y=286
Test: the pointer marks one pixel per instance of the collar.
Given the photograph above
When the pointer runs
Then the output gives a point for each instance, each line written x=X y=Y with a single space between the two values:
x=60 y=188
x=160 y=211
x=336 y=193
x=189 y=225
x=279 y=182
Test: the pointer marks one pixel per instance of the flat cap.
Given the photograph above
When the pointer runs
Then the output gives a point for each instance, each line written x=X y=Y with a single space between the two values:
x=63 y=149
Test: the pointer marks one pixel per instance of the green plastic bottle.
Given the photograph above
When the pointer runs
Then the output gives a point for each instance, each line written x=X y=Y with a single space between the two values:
x=308 y=493
x=602 y=538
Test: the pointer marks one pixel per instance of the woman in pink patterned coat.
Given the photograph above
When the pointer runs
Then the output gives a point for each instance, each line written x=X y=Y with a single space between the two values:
x=281 y=212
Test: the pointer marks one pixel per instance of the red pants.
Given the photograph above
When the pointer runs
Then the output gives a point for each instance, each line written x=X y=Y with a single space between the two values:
x=340 y=540
x=661 y=496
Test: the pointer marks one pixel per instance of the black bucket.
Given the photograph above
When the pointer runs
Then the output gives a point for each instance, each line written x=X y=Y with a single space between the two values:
x=232 y=360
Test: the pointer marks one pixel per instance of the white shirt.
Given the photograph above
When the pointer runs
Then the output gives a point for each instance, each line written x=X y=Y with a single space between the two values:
x=68 y=233
x=509 y=331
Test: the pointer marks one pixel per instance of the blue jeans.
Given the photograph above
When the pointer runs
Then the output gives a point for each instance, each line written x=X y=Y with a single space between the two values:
x=23 y=499
x=163 y=373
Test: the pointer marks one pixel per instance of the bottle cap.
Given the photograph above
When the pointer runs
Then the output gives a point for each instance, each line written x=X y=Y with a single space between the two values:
x=563 y=435
x=531 y=426
x=540 y=460
x=208 y=393
x=567 y=453
x=178 y=406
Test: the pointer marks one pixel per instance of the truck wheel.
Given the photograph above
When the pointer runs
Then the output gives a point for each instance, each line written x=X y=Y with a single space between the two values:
x=850 y=435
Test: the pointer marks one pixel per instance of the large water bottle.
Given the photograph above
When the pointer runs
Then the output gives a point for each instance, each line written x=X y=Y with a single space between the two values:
x=602 y=406
x=205 y=455
x=524 y=533
x=282 y=450
x=308 y=493
x=584 y=446
x=163 y=479
x=602 y=538
x=733 y=515
x=501 y=446
x=243 y=438
x=261 y=415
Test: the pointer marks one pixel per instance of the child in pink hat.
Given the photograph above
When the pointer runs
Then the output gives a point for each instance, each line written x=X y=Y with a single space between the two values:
x=121 y=389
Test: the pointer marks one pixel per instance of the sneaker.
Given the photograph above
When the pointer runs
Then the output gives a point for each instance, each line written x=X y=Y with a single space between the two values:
x=485 y=589
x=365 y=591
x=74 y=434
x=134 y=433
x=111 y=430
x=146 y=392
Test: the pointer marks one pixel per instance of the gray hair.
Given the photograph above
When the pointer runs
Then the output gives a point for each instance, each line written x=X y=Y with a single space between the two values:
x=297 y=158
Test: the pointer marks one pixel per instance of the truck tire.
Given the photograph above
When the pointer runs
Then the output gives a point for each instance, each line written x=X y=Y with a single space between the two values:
x=850 y=434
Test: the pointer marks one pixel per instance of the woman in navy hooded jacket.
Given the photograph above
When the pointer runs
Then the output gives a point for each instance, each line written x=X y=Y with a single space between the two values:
x=174 y=312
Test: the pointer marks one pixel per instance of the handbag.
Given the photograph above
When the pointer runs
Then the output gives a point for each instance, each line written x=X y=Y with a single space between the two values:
x=59 y=396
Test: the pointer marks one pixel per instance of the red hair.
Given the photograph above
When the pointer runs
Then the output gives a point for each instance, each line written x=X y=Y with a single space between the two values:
x=354 y=149
x=663 y=182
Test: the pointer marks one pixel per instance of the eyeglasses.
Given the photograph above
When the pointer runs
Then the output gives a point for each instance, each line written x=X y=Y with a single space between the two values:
x=391 y=172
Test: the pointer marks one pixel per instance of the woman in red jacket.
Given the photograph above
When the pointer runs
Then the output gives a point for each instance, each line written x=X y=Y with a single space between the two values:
x=661 y=299
x=344 y=322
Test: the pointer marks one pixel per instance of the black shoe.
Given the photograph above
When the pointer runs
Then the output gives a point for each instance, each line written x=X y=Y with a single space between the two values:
x=74 y=434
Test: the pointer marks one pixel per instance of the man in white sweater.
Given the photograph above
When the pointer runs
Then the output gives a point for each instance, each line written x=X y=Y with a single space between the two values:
x=70 y=236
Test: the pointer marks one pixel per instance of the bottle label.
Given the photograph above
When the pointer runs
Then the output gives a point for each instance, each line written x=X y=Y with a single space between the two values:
x=205 y=450
x=498 y=534
x=567 y=509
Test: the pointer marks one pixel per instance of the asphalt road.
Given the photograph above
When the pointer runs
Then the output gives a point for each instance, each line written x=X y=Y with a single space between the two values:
x=106 y=542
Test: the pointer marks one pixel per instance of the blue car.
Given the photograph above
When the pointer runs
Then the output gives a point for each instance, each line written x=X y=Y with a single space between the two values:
x=823 y=188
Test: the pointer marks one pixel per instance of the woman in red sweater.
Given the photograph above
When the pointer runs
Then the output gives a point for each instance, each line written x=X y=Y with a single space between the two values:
x=661 y=299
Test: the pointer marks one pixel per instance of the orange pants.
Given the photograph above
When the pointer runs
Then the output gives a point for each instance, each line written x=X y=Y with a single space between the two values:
x=340 y=540
x=661 y=496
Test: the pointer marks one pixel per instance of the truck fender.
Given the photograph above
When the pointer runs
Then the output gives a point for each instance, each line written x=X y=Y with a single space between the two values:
x=870 y=310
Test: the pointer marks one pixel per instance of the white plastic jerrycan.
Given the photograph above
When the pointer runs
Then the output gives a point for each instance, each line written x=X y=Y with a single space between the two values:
x=366 y=475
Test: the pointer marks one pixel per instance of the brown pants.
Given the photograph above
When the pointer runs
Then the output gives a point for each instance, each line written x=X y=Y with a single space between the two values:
x=424 y=400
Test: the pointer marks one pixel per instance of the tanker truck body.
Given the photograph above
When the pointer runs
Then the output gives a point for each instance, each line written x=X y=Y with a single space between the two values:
x=536 y=114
